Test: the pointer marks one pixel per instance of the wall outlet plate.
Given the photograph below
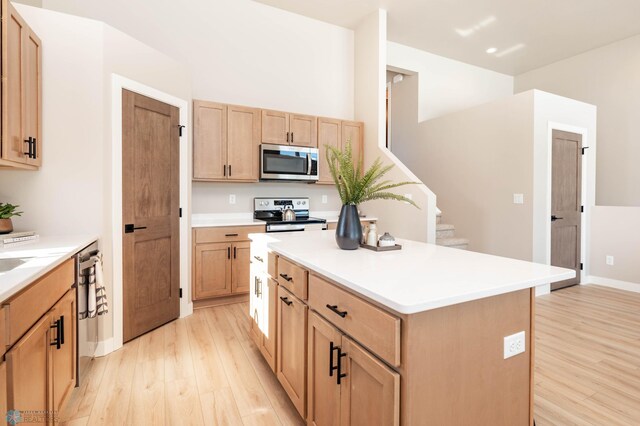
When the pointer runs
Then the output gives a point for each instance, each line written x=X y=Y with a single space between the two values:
x=324 y=199
x=232 y=198
x=610 y=260
x=518 y=198
x=514 y=344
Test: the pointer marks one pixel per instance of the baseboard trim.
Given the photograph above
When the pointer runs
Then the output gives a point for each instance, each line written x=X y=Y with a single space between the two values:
x=219 y=301
x=105 y=347
x=618 y=284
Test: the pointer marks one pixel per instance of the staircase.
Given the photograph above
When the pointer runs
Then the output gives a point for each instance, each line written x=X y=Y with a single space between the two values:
x=446 y=235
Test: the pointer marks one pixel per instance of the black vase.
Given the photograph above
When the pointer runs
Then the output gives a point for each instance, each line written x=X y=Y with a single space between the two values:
x=349 y=230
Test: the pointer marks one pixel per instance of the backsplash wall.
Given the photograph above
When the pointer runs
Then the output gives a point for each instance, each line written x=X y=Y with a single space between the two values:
x=212 y=197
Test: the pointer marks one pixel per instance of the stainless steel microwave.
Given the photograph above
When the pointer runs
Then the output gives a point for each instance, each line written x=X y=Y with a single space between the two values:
x=285 y=162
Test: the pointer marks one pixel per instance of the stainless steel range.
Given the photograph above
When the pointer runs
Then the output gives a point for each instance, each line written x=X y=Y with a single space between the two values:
x=274 y=210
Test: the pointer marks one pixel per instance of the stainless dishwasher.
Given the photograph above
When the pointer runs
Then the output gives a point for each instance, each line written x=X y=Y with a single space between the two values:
x=87 y=329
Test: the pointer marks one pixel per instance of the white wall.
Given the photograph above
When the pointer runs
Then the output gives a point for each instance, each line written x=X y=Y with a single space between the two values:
x=401 y=219
x=446 y=85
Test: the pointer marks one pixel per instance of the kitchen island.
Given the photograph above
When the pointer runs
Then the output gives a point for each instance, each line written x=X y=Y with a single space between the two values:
x=411 y=337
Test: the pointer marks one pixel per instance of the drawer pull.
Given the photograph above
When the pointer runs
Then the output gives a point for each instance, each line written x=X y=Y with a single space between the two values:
x=334 y=309
x=258 y=258
x=286 y=277
x=230 y=235
x=286 y=300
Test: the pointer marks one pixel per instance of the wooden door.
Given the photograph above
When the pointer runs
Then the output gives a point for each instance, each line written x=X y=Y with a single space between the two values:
x=370 y=392
x=354 y=131
x=28 y=369
x=150 y=203
x=291 y=334
x=324 y=391
x=212 y=270
x=275 y=127
x=209 y=141
x=269 y=292
x=243 y=143
x=304 y=130
x=33 y=94
x=64 y=359
x=14 y=34
x=566 y=204
x=240 y=267
x=329 y=133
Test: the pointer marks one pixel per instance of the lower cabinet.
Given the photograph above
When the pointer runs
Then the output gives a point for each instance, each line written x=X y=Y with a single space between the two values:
x=348 y=385
x=3 y=386
x=262 y=305
x=41 y=366
x=291 y=335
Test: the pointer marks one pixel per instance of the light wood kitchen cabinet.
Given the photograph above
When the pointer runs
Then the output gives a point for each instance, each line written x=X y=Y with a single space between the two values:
x=3 y=386
x=225 y=142
x=348 y=385
x=21 y=92
x=63 y=363
x=221 y=261
x=283 y=128
x=291 y=357
x=337 y=133
x=262 y=305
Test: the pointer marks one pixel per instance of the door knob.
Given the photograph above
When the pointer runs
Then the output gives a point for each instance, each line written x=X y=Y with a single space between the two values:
x=130 y=227
x=554 y=218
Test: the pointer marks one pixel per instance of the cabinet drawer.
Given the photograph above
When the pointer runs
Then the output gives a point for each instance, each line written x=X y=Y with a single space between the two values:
x=374 y=328
x=223 y=234
x=26 y=308
x=293 y=278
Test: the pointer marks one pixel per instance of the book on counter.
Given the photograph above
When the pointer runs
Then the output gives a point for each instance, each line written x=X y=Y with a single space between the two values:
x=16 y=237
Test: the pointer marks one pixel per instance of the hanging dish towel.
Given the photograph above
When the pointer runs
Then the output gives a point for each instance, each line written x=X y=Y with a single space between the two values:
x=92 y=297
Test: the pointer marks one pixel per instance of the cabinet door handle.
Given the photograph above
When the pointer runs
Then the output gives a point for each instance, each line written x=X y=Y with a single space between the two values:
x=340 y=374
x=286 y=300
x=228 y=252
x=332 y=348
x=62 y=330
x=29 y=141
x=56 y=341
x=258 y=258
x=224 y=170
x=234 y=253
x=229 y=170
x=335 y=310
x=287 y=137
x=35 y=148
x=291 y=137
x=286 y=277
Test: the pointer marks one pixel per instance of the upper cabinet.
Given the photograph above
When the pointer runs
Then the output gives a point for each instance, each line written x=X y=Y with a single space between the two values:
x=21 y=92
x=337 y=133
x=225 y=142
x=283 y=128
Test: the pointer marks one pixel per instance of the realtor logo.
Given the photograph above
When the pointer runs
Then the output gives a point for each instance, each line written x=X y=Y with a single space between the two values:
x=13 y=417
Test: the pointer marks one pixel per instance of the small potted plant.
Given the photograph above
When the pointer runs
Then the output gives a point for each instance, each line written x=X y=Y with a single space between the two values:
x=7 y=211
x=355 y=187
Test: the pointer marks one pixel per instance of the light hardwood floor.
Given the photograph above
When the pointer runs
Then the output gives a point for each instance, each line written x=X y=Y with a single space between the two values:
x=587 y=357
x=205 y=369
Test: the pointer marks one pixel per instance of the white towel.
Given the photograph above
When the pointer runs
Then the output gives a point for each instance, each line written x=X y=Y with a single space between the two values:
x=100 y=292
x=92 y=296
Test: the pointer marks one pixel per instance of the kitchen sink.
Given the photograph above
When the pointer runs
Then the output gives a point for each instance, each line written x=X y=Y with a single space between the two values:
x=8 y=264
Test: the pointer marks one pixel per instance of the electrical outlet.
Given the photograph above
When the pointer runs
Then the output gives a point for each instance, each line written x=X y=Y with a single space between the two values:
x=514 y=344
x=518 y=198
x=610 y=260
x=324 y=199
x=232 y=198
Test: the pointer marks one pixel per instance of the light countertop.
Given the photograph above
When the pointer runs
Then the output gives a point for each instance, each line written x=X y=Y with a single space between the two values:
x=417 y=278
x=41 y=255
x=246 y=219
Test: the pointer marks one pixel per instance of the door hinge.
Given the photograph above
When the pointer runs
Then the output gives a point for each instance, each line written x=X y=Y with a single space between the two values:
x=581 y=209
x=180 y=293
x=581 y=266
x=180 y=212
x=180 y=127
x=583 y=148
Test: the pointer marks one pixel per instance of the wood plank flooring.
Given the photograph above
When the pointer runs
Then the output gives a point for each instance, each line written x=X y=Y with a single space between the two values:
x=587 y=354
x=205 y=369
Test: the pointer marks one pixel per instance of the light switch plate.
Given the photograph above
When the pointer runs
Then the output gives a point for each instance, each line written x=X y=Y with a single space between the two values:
x=232 y=198
x=324 y=199
x=610 y=260
x=514 y=344
x=518 y=198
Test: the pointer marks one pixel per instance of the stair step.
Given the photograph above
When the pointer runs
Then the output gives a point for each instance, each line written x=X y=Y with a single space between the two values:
x=460 y=243
x=444 y=230
x=438 y=218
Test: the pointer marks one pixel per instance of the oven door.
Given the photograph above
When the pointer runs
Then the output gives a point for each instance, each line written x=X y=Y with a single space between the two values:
x=281 y=162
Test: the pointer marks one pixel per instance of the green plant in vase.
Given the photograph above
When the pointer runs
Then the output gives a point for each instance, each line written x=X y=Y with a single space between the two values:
x=356 y=187
x=7 y=211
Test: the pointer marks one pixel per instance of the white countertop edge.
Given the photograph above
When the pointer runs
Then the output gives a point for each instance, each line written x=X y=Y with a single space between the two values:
x=17 y=279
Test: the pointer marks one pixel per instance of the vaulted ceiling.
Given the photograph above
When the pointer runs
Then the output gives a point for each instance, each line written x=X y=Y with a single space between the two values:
x=526 y=34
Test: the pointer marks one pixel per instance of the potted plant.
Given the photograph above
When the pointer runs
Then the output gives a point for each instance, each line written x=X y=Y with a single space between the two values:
x=7 y=211
x=354 y=188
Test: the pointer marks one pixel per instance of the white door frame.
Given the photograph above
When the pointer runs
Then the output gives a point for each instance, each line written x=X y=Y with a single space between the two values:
x=118 y=83
x=586 y=202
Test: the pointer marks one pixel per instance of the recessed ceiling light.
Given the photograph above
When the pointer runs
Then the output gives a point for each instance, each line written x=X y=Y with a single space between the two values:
x=492 y=50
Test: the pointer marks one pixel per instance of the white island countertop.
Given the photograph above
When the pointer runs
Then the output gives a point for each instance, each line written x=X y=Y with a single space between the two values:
x=417 y=278
x=40 y=256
